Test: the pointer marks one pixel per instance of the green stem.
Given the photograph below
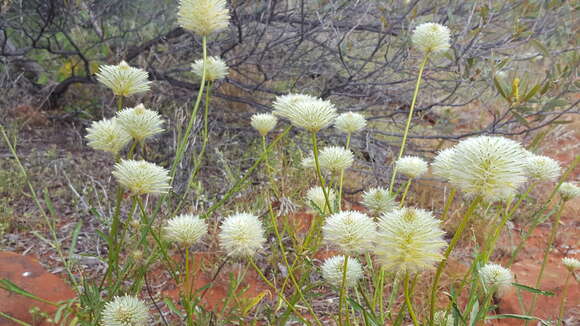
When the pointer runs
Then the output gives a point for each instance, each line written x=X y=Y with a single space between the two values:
x=319 y=173
x=443 y=263
x=407 y=186
x=409 y=118
x=448 y=203
x=408 y=301
x=342 y=175
x=119 y=103
x=342 y=290
x=551 y=239
x=563 y=300
x=267 y=281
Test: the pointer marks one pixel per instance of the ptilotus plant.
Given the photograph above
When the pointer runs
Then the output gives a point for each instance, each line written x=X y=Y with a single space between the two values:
x=389 y=245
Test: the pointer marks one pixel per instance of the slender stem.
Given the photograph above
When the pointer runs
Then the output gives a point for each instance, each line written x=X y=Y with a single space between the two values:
x=408 y=300
x=563 y=300
x=269 y=168
x=407 y=186
x=409 y=118
x=443 y=263
x=342 y=175
x=551 y=239
x=119 y=103
x=319 y=173
x=342 y=290
x=269 y=283
x=448 y=203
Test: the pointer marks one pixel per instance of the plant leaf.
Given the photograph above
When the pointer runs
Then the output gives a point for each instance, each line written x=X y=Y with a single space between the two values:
x=516 y=316
x=533 y=290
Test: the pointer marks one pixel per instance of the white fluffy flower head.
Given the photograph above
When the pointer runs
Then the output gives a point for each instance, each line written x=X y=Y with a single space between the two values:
x=568 y=191
x=409 y=240
x=140 y=122
x=306 y=112
x=542 y=168
x=335 y=158
x=203 y=17
x=241 y=235
x=350 y=122
x=431 y=38
x=351 y=231
x=316 y=198
x=185 y=229
x=486 y=166
x=333 y=267
x=412 y=166
x=496 y=278
x=572 y=264
x=123 y=79
x=264 y=122
x=215 y=68
x=379 y=200
x=107 y=135
x=125 y=311
x=141 y=177
x=443 y=163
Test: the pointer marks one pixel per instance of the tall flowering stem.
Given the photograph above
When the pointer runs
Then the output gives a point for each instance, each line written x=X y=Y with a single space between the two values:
x=319 y=173
x=474 y=203
x=342 y=174
x=551 y=239
x=408 y=300
x=409 y=118
x=342 y=290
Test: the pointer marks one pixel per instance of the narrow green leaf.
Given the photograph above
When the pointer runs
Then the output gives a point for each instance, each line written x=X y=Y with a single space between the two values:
x=540 y=47
x=474 y=313
x=515 y=316
x=533 y=290
x=499 y=87
x=17 y=321
x=75 y=235
x=11 y=287
x=367 y=314
x=532 y=92
x=49 y=204
x=169 y=303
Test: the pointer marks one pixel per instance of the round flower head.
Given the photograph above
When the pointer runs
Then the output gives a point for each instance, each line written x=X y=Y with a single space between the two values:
x=442 y=318
x=125 y=311
x=123 y=79
x=409 y=240
x=443 y=163
x=283 y=104
x=307 y=112
x=215 y=68
x=379 y=200
x=203 y=17
x=141 y=177
x=107 y=135
x=350 y=122
x=412 y=166
x=140 y=122
x=568 y=191
x=264 y=122
x=185 y=229
x=333 y=267
x=496 y=278
x=572 y=264
x=241 y=235
x=316 y=198
x=351 y=231
x=431 y=38
x=335 y=158
x=490 y=167
x=542 y=168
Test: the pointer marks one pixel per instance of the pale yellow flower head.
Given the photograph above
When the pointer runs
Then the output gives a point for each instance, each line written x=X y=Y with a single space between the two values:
x=141 y=177
x=123 y=79
x=215 y=68
x=496 y=278
x=107 y=135
x=409 y=240
x=412 y=166
x=350 y=122
x=351 y=231
x=203 y=17
x=542 y=168
x=572 y=264
x=305 y=112
x=431 y=38
x=379 y=200
x=333 y=267
x=140 y=122
x=264 y=122
x=316 y=198
x=185 y=229
x=125 y=311
x=568 y=191
x=241 y=235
